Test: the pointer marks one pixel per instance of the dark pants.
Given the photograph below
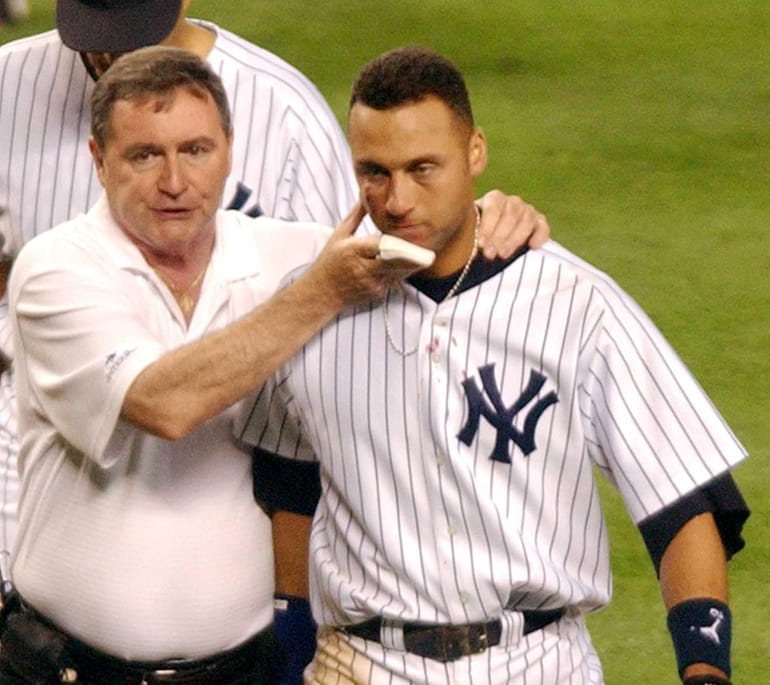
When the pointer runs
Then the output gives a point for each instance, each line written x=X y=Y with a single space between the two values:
x=259 y=676
x=34 y=651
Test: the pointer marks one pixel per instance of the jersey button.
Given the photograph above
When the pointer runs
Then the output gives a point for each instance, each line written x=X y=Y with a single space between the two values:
x=436 y=357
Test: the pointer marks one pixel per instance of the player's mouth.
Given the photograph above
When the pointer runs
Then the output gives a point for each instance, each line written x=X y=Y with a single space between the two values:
x=413 y=232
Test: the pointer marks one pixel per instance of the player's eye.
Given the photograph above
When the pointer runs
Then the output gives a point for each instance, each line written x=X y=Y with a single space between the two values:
x=371 y=172
x=423 y=169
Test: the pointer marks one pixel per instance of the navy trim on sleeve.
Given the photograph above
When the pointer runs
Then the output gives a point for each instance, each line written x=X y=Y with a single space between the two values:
x=285 y=484
x=721 y=497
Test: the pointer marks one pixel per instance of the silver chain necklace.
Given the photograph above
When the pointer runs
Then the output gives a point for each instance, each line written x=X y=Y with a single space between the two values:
x=451 y=293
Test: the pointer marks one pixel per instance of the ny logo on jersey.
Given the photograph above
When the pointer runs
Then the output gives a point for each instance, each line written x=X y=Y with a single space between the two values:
x=501 y=417
x=242 y=194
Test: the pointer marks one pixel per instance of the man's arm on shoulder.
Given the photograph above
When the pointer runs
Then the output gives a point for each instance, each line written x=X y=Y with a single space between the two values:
x=197 y=381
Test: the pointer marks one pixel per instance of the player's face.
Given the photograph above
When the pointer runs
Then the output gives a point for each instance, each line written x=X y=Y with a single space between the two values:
x=164 y=169
x=415 y=165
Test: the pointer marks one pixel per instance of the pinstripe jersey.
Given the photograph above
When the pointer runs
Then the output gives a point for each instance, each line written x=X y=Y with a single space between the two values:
x=458 y=480
x=290 y=159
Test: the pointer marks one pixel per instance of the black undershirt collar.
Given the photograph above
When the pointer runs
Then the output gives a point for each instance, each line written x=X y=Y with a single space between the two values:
x=481 y=270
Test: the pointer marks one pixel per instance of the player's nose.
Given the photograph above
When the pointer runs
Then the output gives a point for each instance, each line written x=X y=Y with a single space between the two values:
x=400 y=197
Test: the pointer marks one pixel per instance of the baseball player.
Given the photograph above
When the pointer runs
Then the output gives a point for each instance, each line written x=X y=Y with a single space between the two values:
x=290 y=158
x=457 y=425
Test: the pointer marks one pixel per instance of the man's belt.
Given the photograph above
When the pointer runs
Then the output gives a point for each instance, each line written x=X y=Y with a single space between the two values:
x=254 y=659
x=451 y=642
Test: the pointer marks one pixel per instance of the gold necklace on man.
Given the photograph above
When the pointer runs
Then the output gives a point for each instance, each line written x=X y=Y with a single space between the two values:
x=184 y=297
x=451 y=293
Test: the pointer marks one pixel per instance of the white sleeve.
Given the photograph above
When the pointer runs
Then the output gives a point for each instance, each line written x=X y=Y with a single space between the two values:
x=72 y=368
x=651 y=428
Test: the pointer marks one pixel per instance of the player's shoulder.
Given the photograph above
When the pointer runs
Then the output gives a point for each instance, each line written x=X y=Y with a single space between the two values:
x=234 y=54
x=38 y=42
x=557 y=258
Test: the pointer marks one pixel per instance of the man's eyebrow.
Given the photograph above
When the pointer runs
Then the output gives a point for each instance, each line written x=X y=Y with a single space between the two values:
x=142 y=147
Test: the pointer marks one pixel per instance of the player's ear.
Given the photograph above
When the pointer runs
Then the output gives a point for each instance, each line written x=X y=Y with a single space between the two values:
x=477 y=152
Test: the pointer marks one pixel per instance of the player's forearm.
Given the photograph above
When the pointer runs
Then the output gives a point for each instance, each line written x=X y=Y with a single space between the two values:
x=694 y=564
x=291 y=540
x=694 y=568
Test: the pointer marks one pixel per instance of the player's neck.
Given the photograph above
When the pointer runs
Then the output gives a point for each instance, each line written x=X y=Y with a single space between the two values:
x=459 y=251
x=192 y=37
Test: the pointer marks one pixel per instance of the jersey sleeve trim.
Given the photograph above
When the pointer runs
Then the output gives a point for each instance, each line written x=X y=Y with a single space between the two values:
x=283 y=484
x=721 y=497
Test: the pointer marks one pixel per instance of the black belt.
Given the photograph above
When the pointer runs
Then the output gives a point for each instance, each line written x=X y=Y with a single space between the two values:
x=450 y=642
x=249 y=662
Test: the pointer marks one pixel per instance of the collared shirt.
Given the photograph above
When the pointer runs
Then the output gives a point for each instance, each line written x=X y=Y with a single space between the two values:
x=145 y=548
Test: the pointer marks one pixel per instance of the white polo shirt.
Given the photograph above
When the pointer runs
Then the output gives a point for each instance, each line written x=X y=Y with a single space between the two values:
x=145 y=548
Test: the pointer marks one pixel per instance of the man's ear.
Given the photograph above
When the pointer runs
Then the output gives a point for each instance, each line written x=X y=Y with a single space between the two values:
x=98 y=157
x=477 y=152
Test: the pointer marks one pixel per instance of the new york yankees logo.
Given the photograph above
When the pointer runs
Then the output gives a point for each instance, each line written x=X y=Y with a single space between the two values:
x=241 y=197
x=500 y=416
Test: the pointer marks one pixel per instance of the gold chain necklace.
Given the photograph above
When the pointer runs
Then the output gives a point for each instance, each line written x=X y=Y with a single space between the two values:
x=183 y=297
x=451 y=293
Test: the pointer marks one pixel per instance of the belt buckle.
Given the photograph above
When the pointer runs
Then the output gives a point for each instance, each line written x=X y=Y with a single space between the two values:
x=160 y=675
x=460 y=641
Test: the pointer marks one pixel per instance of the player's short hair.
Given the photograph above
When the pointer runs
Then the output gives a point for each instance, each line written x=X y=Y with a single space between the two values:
x=154 y=72
x=410 y=74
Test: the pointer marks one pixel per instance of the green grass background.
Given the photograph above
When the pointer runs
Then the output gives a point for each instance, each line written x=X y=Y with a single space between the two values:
x=643 y=131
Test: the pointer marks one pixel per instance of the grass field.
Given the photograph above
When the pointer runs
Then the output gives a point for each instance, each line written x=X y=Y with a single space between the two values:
x=642 y=131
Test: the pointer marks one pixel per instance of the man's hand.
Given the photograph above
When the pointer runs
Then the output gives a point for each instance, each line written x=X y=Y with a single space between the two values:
x=348 y=271
x=508 y=223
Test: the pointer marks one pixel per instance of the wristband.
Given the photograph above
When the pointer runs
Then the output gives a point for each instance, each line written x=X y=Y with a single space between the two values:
x=706 y=680
x=295 y=636
x=701 y=633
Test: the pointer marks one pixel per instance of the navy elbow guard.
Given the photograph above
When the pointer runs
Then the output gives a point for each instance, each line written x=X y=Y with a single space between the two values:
x=295 y=636
x=701 y=632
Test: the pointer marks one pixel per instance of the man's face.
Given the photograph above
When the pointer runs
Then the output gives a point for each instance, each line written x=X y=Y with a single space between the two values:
x=415 y=165
x=163 y=168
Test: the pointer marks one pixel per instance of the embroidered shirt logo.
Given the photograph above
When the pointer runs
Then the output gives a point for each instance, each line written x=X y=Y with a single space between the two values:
x=501 y=417
x=114 y=360
x=711 y=633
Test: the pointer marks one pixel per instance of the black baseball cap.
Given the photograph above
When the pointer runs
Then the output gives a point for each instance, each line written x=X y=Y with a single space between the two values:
x=115 y=25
